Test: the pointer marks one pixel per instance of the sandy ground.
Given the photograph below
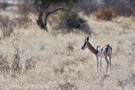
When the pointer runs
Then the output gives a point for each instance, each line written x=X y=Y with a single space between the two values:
x=58 y=63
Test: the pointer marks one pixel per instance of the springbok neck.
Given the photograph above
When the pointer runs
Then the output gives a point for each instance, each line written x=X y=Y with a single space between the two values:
x=92 y=49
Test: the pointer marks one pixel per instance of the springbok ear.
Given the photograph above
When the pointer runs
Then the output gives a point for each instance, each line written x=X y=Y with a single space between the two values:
x=88 y=38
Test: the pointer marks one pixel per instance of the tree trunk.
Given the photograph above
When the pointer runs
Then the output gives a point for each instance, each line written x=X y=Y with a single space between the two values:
x=41 y=9
x=49 y=13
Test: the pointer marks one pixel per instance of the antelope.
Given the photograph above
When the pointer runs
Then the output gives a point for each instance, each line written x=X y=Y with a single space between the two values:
x=103 y=51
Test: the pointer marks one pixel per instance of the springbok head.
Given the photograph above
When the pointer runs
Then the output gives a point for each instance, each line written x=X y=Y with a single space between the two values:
x=85 y=45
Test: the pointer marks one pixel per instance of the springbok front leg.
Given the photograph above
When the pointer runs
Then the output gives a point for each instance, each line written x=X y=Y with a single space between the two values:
x=110 y=60
x=100 y=61
x=97 y=61
x=107 y=62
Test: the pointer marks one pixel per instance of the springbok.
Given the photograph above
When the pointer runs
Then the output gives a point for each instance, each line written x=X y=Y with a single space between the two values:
x=101 y=51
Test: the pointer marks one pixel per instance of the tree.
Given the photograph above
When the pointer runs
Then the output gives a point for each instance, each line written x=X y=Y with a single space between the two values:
x=49 y=7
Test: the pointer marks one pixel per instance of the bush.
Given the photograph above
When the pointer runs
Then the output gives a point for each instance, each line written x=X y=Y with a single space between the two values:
x=126 y=7
x=17 y=65
x=133 y=19
x=87 y=6
x=106 y=13
x=3 y=5
x=25 y=8
x=7 y=25
x=73 y=21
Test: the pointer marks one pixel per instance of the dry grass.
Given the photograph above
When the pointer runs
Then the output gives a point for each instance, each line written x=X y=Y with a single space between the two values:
x=132 y=19
x=106 y=13
x=10 y=19
x=34 y=59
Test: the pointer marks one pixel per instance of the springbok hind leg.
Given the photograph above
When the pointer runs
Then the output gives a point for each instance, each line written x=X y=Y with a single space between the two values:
x=107 y=63
x=110 y=60
x=97 y=61
x=100 y=62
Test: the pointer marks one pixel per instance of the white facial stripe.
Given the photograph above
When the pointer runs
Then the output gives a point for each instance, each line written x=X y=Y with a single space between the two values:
x=84 y=46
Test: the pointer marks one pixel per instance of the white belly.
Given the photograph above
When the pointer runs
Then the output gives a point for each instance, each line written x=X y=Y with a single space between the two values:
x=101 y=53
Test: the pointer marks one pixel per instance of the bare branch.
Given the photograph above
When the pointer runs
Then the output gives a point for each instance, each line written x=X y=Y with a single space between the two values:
x=51 y=12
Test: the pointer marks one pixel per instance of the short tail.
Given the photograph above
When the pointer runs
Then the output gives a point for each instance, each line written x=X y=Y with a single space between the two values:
x=109 y=50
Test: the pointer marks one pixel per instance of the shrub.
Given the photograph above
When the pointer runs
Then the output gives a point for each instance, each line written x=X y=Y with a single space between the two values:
x=25 y=8
x=126 y=7
x=68 y=86
x=7 y=25
x=4 y=65
x=133 y=19
x=87 y=6
x=74 y=22
x=106 y=13
x=71 y=21
x=3 y=5
x=19 y=64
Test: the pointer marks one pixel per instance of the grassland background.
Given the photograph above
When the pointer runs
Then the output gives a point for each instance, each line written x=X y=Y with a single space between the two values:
x=56 y=61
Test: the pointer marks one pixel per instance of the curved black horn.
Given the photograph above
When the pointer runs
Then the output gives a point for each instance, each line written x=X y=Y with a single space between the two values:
x=88 y=38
